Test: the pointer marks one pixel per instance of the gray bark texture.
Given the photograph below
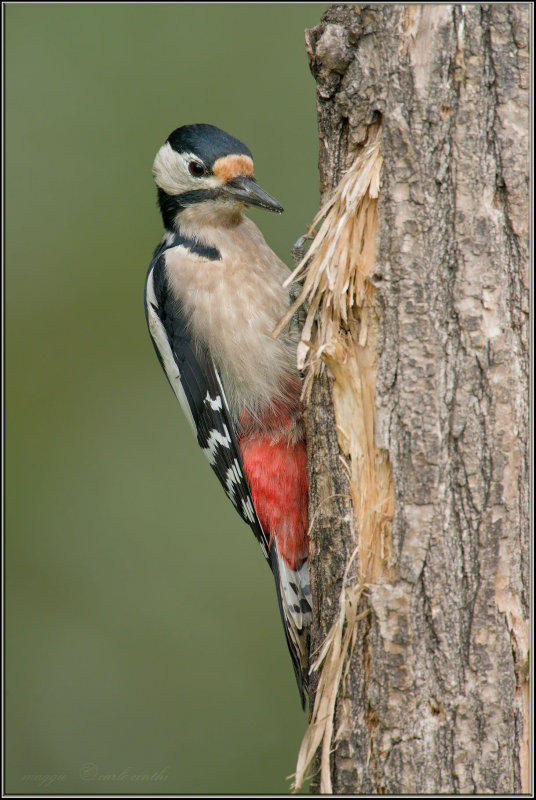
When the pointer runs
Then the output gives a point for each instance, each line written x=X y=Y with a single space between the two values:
x=435 y=696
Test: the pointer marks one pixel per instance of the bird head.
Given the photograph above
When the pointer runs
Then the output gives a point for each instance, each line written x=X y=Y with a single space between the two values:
x=201 y=165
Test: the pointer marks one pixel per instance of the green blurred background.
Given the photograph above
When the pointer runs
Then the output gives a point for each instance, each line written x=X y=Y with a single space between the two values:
x=144 y=650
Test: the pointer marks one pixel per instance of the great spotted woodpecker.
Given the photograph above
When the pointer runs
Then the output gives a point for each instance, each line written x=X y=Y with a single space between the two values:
x=213 y=296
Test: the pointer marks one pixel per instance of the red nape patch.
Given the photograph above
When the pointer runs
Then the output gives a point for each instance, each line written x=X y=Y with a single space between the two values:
x=277 y=476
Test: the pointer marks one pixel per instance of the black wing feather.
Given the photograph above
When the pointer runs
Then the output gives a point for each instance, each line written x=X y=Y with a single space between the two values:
x=196 y=382
x=202 y=389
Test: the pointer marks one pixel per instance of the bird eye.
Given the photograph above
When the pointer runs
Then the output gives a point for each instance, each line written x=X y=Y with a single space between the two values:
x=196 y=169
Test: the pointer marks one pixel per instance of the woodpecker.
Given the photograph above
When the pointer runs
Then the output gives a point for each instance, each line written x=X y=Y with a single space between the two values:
x=213 y=296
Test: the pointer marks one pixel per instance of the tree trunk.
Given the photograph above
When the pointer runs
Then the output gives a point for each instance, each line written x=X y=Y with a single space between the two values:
x=417 y=401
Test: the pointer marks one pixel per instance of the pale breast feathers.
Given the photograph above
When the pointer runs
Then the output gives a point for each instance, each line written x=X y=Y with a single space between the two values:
x=232 y=306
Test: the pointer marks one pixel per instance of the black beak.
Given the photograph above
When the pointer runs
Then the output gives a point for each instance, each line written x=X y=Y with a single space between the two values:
x=248 y=191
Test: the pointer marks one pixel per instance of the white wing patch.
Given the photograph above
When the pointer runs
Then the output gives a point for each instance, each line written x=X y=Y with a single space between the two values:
x=296 y=599
x=215 y=439
x=200 y=385
x=248 y=511
x=216 y=405
x=158 y=332
x=232 y=476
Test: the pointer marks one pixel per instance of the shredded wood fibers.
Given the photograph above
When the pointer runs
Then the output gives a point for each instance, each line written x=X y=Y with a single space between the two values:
x=341 y=332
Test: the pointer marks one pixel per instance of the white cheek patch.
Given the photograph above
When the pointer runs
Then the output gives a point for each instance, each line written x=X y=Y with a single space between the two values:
x=170 y=171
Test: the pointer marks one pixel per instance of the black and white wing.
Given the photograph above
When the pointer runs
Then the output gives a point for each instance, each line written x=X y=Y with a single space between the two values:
x=295 y=606
x=195 y=380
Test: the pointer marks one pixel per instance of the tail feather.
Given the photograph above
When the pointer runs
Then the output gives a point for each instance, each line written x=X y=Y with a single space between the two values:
x=293 y=588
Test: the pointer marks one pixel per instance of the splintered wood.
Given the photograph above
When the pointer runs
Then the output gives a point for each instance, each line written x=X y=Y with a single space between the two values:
x=341 y=332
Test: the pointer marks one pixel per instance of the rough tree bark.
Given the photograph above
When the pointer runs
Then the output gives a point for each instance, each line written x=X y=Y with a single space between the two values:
x=435 y=693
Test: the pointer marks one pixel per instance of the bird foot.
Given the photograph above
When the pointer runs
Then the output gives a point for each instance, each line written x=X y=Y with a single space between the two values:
x=299 y=247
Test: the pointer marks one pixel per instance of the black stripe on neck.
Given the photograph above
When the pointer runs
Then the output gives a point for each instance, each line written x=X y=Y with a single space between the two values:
x=203 y=250
x=197 y=196
x=173 y=204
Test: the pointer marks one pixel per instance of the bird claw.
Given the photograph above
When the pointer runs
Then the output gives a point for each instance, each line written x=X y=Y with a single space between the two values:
x=298 y=248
